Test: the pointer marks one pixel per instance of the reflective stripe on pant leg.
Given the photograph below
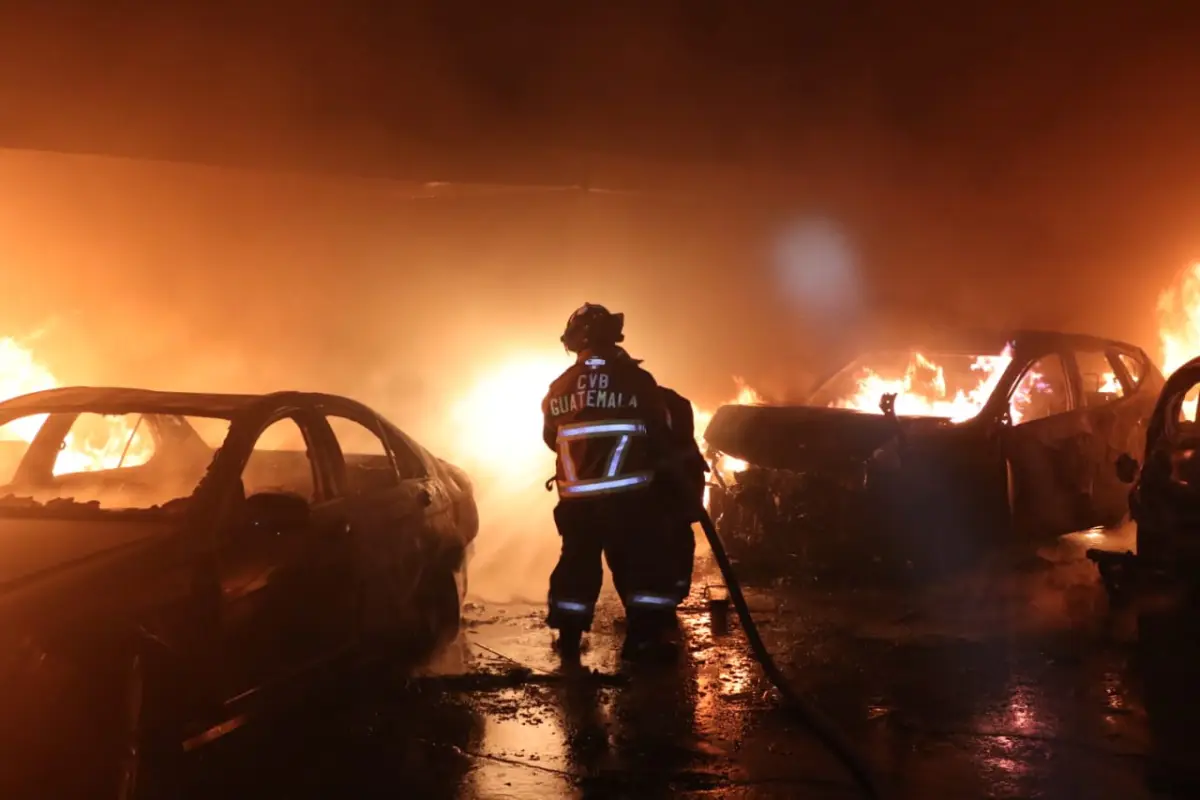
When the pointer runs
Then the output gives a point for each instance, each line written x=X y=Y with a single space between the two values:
x=572 y=607
x=570 y=613
x=653 y=601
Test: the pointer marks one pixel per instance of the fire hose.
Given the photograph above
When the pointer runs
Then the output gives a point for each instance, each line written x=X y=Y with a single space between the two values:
x=808 y=715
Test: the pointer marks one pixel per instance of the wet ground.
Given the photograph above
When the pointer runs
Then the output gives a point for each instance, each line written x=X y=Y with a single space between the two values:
x=1009 y=682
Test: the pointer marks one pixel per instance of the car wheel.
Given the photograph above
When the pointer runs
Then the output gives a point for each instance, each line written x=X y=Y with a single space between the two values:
x=432 y=621
x=441 y=608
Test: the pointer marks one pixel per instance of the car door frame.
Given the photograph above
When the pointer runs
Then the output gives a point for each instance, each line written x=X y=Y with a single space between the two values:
x=395 y=537
x=1042 y=459
x=1108 y=435
x=249 y=610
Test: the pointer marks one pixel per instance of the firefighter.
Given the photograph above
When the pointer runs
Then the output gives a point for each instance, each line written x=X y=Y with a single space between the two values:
x=607 y=423
x=682 y=421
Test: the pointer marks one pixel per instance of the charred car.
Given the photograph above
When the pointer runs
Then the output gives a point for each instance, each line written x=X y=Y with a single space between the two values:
x=172 y=564
x=1164 y=500
x=926 y=453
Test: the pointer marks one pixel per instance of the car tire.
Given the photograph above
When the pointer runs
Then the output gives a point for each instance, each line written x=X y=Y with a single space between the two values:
x=444 y=620
x=431 y=621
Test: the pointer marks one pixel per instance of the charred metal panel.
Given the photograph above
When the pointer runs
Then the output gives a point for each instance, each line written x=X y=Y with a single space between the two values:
x=1165 y=500
x=797 y=437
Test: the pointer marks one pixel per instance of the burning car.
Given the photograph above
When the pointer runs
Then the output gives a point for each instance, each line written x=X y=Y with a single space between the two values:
x=1007 y=434
x=171 y=563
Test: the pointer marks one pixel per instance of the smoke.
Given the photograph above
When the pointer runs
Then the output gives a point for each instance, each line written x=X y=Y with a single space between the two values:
x=968 y=187
x=518 y=543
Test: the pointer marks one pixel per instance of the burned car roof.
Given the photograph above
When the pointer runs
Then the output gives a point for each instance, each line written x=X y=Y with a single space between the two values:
x=118 y=400
x=1051 y=339
x=981 y=341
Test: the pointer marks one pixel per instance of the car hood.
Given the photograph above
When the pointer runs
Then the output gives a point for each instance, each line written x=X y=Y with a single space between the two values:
x=803 y=437
x=30 y=546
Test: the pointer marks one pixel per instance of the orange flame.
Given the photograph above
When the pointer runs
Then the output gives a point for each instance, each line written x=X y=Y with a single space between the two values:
x=94 y=443
x=1179 y=326
x=725 y=465
x=1179 y=320
x=921 y=391
x=497 y=424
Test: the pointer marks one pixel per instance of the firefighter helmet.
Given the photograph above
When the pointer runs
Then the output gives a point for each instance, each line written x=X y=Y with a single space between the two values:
x=593 y=325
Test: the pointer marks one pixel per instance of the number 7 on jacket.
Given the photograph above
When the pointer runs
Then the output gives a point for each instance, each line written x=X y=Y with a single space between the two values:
x=622 y=432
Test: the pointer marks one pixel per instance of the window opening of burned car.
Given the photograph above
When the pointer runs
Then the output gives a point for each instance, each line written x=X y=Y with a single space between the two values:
x=1098 y=378
x=368 y=465
x=138 y=460
x=1186 y=417
x=129 y=442
x=1041 y=392
x=1133 y=366
x=1178 y=444
x=99 y=442
x=955 y=386
x=280 y=462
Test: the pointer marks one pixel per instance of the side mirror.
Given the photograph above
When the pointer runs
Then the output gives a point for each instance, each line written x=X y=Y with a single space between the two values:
x=1127 y=468
x=277 y=512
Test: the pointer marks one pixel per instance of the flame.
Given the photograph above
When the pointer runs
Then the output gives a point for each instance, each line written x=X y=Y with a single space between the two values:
x=1179 y=326
x=94 y=443
x=21 y=374
x=727 y=466
x=1022 y=395
x=921 y=391
x=498 y=422
x=104 y=442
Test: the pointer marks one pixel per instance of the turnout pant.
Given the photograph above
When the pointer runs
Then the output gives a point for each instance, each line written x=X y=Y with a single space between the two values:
x=678 y=548
x=630 y=531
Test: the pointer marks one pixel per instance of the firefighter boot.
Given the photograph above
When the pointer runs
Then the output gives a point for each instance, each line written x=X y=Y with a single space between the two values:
x=650 y=639
x=569 y=643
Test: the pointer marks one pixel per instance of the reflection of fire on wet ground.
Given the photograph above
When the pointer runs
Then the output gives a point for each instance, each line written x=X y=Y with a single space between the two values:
x=684 y=726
